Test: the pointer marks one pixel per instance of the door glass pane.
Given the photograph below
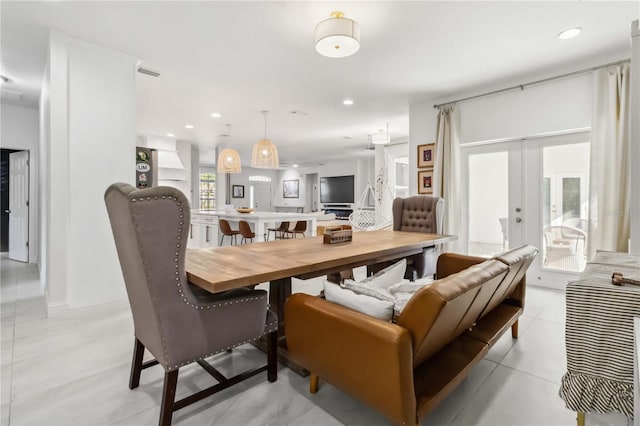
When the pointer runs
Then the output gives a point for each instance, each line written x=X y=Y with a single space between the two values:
x=546 y=201
x=570 y=197
x=565 y=205
x=488 y=203
x=401 y=176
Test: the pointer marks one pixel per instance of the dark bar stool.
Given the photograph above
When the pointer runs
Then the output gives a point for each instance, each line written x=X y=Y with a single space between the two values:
x=245 y=231
x=226 y=230
x=300 y=228
x=284 y=227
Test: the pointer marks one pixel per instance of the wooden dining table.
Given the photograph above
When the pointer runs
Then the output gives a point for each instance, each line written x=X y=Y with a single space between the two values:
x=217 y=269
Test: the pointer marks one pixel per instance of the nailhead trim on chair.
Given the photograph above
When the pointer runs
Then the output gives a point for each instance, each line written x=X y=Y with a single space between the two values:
x=184 y=299
x=268 y=330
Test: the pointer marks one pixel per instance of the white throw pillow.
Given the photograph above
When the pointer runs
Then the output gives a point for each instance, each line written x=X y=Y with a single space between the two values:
x=388 y=276
x=368 y=290
x=358 y=302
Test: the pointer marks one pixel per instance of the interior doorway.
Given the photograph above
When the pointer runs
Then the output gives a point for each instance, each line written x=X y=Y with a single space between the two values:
x=14 y=194
x=261 y=196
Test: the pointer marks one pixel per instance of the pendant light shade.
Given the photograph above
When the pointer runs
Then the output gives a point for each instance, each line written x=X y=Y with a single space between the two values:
x=265 y=153
x=229 y=161
x=337 y=37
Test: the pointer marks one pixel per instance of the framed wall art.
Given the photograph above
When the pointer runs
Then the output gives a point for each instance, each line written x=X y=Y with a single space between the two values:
x=238 y=191
x=426 y=155
x=425 y=181
x=291 y=188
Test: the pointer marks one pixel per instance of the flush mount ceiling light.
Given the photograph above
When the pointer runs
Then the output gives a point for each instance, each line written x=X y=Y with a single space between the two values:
x=381 y=138
x=265 y=153
x=347 y=102
x=229 y=161
x=337 y=37
x=570 y=33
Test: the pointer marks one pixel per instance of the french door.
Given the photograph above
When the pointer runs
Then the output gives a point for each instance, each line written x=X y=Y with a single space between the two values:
x=534 y=192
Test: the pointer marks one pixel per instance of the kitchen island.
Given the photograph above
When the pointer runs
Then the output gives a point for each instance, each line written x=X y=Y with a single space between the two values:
x=259 y=220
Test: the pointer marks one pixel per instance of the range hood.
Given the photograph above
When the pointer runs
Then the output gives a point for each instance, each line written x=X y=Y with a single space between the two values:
x=169 y=159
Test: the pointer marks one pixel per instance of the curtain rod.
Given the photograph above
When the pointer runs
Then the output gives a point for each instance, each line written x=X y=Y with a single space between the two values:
x=544 y=80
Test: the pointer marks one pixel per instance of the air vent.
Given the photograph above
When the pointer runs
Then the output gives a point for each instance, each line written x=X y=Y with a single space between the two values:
x=148 y=72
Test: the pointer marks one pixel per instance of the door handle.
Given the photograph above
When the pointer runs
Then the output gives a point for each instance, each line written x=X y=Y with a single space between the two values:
x=518 y=219
x=8 y=211
x=207 y=233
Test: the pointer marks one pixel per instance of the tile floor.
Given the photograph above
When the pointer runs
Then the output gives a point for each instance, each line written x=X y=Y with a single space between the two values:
x=73 y=369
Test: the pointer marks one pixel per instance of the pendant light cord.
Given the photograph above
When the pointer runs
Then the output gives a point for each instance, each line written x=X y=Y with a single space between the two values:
x=264 y=115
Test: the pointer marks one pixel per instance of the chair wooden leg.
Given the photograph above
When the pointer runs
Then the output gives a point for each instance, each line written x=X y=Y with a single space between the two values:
x=514 y=330
x=313 y=383
x=222 y=239
x=272 y=356
x=136 y=364
x=168 y=397
x=581 y=418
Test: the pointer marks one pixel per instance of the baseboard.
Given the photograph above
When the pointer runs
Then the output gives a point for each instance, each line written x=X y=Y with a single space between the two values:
x=56 y=309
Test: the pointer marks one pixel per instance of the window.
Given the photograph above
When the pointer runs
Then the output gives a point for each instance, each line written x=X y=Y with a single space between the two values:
x=207 y=189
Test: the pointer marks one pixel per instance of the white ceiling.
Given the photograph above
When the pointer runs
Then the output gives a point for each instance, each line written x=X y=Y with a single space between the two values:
x=239 y=58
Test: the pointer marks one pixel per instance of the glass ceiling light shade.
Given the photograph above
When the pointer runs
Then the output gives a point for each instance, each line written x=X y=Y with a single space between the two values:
x=337 y=37
x=265 y=153
x=229 y=161
x=381 y=138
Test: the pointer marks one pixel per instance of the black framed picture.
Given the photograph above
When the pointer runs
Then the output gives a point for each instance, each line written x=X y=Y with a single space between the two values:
x=237 y=191
x=291 y=188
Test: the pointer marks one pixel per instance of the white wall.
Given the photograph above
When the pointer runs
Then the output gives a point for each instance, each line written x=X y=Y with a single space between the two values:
x=362 y=169
x=20 y=131
x=91 y=141
x=243 y=179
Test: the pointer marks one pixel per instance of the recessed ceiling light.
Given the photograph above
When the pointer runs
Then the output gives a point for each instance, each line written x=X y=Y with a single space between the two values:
x=295 y=165
x=347 y=102
x=570 y=33
x=171 y=135
x=216 y=115
x=188 y=126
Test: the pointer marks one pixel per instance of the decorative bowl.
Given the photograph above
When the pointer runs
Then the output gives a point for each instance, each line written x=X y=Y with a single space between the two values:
x=244 y=210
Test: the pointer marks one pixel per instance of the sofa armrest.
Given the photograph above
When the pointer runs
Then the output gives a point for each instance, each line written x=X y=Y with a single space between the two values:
x=366 y=357
x=451 y=263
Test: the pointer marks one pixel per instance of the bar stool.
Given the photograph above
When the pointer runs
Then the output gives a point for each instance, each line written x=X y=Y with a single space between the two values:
x=300 y=228
x=284 y=227
x=245 y=231
x=226 y=231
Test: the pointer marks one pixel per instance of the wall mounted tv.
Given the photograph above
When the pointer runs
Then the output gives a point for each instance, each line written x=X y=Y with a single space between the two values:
x=337 y=189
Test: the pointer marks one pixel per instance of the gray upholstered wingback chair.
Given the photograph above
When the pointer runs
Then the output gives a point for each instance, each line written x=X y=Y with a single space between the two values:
x=421 y=213
x=174 y=320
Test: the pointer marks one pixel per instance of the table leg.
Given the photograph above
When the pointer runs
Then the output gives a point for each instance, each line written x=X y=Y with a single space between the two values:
x=279 y=291
x=581 y=418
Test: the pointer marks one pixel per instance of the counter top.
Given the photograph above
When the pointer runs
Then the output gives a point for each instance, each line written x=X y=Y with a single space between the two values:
x=255 y=214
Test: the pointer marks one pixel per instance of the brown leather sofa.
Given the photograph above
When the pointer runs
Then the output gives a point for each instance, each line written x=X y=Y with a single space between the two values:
x=406 y=369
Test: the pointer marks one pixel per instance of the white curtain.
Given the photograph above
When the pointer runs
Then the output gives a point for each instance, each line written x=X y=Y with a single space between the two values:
x=447 y=174
x=609 y=188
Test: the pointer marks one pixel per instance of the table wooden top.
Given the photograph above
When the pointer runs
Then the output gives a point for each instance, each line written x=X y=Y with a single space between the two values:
x=223 y=268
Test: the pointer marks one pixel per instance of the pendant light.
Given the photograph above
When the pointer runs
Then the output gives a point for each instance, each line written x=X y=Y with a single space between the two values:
x=265 y=153
x=381 y=138
x=337 y=37
x=228 y=163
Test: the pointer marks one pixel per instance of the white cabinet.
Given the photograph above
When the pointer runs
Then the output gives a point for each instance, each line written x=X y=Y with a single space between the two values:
x=203 y=231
